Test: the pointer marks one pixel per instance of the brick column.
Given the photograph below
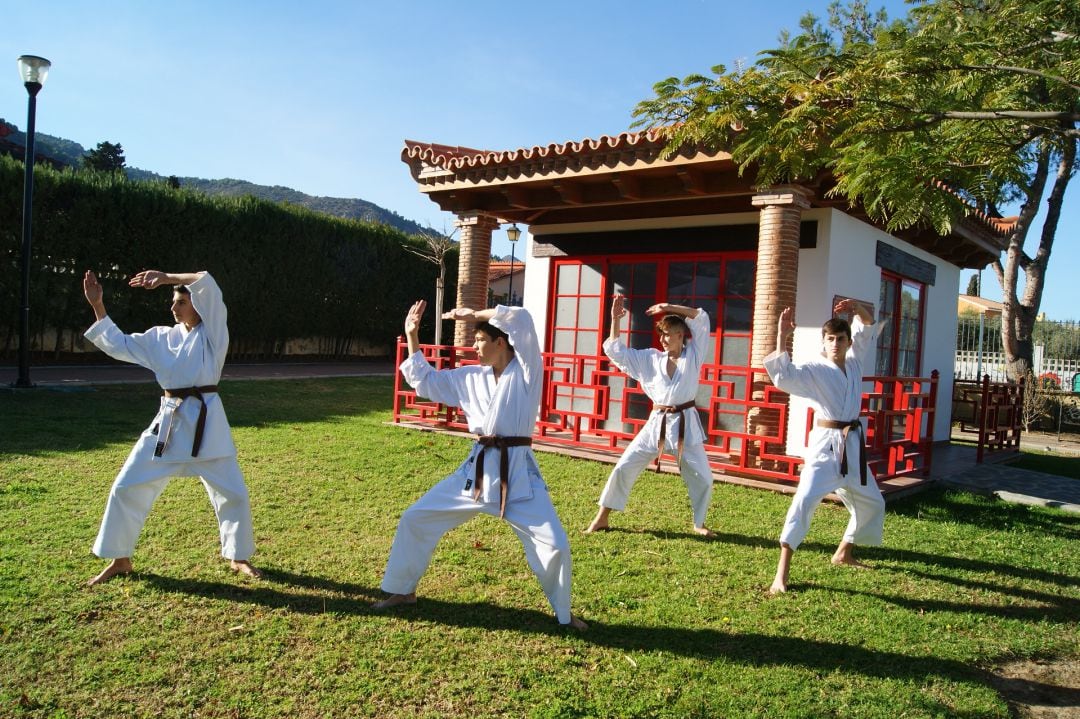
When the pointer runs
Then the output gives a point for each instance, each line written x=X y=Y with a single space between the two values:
x=775 y=284
x=473 y=261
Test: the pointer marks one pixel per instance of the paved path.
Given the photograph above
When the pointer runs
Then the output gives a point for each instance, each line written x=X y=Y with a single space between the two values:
x=954 y=465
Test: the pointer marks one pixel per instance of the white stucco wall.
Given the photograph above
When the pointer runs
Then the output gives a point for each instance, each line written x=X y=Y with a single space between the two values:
x=535 y=296
x=843 y=263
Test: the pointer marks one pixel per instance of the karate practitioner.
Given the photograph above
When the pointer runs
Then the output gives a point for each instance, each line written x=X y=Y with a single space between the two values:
x=500 y=477
x=835 y=459
x=190 y=435
x=670 y=378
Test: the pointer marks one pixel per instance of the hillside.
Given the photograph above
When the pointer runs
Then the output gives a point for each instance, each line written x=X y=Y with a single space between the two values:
x=68 y=152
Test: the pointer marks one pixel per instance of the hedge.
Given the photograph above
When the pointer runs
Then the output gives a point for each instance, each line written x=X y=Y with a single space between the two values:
x=286 y=272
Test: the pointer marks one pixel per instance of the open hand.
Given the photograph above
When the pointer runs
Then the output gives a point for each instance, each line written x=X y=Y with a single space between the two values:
x=148 y=279
x=92 y=288
x=786 y=323
x=657 y=309
x=618 y=307
x=412 y=319
x=458 y=313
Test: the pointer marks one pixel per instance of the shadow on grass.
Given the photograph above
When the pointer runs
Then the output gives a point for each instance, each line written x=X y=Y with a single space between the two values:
x=905 y=557
x=752 y=649
x=939 y=504
x=49 y=421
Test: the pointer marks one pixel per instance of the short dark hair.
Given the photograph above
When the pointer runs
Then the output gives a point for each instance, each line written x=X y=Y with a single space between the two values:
x=494 y=332
x=182 y=289
x=836 y=326
x=670 y=322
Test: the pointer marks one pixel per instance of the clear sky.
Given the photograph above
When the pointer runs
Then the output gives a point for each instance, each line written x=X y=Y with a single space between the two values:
x=319 y=96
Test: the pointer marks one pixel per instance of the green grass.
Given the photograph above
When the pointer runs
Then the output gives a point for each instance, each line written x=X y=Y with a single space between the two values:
x=1049 y=462
x=681 y=627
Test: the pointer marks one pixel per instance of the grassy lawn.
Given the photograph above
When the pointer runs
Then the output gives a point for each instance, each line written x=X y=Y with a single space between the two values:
x=1049 y=462
x=681 y=627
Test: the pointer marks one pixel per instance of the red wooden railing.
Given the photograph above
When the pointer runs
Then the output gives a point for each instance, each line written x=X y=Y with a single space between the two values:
x=580 y=392
x=993 y=411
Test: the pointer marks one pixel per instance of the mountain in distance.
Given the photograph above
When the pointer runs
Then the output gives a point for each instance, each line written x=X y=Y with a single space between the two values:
x=68 y=152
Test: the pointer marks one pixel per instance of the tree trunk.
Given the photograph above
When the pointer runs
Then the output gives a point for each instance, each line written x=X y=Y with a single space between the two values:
x=440 y=289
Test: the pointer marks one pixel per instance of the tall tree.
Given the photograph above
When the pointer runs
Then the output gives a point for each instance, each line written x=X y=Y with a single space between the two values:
x=106 y=157
x=434 y=250
x=963 y=105
x=973 y=286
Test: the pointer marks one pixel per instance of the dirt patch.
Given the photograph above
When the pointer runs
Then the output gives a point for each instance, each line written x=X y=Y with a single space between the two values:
x=1040 y=689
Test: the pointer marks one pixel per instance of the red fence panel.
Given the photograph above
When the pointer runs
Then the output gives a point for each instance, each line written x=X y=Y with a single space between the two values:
x=589 y=404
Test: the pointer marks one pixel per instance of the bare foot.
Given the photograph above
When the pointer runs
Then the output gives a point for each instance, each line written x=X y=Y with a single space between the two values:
x=394 y=600
x=120 y=565
x=576 y=624
x=600 y=522
x=848 y=561
x=779 y=586
x=242 y=566
x=704 y=531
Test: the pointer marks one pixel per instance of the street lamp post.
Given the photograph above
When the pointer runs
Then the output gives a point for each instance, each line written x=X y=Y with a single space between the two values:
x=512 y=234
x=33 y=70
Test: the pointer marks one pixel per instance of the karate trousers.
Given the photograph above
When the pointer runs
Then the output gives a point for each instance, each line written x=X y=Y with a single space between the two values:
x=142 y=480
x=864 y=503
x=445 y=506
x=694 y=468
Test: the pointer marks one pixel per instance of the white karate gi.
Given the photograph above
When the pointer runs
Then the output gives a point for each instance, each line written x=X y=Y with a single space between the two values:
x=179 y=358
x=507 y=408
x=835 y=394
x=649 y=368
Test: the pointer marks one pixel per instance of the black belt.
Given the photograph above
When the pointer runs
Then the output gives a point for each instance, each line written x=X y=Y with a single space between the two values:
x=197 y=392
x=504 y=444
x=845 y=427
x=665 y=410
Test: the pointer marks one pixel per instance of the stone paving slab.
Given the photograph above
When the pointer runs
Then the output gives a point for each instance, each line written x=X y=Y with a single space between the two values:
x=1023 y=486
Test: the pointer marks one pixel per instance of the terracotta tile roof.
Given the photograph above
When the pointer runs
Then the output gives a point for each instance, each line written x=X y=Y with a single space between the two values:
x=459 y=158
x=999 y=225
x=985 y=304
x=498 y=270
x=433 y=163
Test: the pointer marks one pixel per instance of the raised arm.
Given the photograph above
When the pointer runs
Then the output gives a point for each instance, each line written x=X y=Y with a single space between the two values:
x=618 y=311
x=670 y=309
x=412 y=325
x=856 y=308
x=151 y=279
x=94 y=295
x=785 y=326
x=464 y=313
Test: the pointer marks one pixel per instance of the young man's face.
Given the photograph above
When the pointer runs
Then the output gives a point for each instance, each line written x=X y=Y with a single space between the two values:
x=487 y=349
x=671 y=340
x=183 y=311
x=835 y=346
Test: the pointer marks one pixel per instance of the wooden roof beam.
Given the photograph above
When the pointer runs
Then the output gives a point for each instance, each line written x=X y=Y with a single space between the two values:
x=516 y=197
x=570 y=192
x=693 y=180
x=628 y=186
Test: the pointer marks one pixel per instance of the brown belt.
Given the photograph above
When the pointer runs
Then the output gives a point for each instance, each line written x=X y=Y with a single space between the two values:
x=665 y=410
x=197 y=392
x=503 y=444
x=844 y=428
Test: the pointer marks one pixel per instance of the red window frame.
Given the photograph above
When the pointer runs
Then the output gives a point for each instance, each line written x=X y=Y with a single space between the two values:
x=889 y=342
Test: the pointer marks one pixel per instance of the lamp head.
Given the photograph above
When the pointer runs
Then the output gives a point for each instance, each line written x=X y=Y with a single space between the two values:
x=513 y=233
x=33 y=70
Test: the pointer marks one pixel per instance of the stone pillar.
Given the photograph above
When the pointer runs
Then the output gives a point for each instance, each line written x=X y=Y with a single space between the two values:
x=473 y=261
x=775 y=286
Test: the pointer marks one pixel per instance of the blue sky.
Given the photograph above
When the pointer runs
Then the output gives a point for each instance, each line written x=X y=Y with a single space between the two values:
x=320 y=96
